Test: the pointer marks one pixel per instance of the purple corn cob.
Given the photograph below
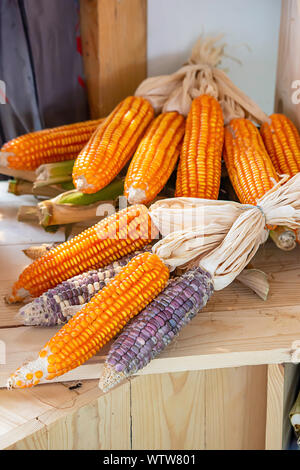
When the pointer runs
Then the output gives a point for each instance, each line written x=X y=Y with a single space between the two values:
x=147 y=335
x=58 y=305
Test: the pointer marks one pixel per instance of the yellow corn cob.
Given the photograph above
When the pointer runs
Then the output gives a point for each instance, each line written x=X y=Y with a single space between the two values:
x=155 y=158
x=248 y=164
x=99 y=245
x=112 y=145
x=136 y=285
x=29 y=151
x=201 y=154
x=282 y=142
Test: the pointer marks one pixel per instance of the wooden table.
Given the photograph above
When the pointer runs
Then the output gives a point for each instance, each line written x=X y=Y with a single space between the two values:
x=225 y=383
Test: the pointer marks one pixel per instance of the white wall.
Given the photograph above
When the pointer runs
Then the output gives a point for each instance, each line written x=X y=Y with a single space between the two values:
x=251 y=31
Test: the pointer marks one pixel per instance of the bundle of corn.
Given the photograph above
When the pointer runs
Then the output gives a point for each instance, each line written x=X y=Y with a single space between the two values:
x=203 y=93
x=29 y=151
x=251 y=170
x=58 y=305
x=108 y=240
x=116 y=141
x=282 y=142
x=225 y=235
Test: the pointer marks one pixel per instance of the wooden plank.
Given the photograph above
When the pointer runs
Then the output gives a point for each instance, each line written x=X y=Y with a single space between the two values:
x=101 y=424
x=216 y=409
x=288 y=63
x=168 y=411
x=275 y=390
x=235 y=403
x=83 y=418
x=114 y=50
x=212 y=340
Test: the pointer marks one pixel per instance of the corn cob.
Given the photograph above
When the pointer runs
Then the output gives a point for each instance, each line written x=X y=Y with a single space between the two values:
x=155 y=158
x=156 y=326
x=137 y=284
x=248 y=164
x=201 y=154
x=112 y=145
x=53 y=307
x=108 y=240
x=284 y=238
x=29 y=151
x=282 y=142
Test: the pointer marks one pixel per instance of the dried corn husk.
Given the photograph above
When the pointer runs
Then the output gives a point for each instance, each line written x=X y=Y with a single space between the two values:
x=36 y=251
x=222 y=237
x=200 y=75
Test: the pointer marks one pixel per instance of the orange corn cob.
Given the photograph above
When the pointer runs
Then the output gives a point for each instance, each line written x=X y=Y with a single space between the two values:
x=99 y=245
x=112 y=145
x=155 y=158
x=201 y=154
x=248 y=164
x=136 y=285
x=29 y=151
x=282 y=142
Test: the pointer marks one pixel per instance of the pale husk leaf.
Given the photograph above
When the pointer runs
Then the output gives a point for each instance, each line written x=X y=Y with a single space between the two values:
x=222 y=236
x=175 y=92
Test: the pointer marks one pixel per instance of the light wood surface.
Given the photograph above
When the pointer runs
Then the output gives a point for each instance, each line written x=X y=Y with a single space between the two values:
x=114 y=50
x=288 y=64
x=214 y=409
x=275 y=394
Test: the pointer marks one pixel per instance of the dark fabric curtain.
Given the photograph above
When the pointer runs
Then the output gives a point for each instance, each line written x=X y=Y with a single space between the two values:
x=41 y=66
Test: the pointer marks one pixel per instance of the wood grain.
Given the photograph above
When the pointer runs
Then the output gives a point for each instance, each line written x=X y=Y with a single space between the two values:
x=171 y=414
x=288 y=63
x=216 y=409
x=68 y=419
x=114 y=50
x=275 y=390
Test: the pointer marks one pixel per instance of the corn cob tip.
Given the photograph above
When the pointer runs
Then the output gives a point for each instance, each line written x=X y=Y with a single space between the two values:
x=29 y=374
x=81 y=184
x=18 y=296
x=136 y=195
x=110 y=378
x=4 y=156
x=284 y=238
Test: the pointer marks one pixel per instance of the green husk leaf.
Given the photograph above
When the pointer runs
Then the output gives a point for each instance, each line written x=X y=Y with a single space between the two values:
x=77 y=198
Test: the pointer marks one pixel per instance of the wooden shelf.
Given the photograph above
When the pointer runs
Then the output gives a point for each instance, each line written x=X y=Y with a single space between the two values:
x=235 y=329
